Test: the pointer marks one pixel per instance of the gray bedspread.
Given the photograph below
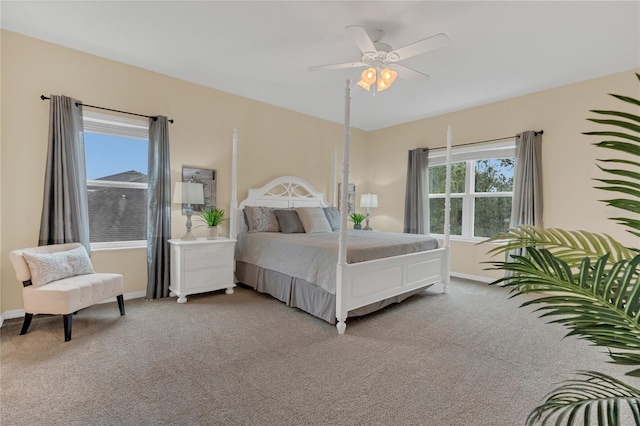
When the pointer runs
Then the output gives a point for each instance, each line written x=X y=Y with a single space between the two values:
x=314 y=257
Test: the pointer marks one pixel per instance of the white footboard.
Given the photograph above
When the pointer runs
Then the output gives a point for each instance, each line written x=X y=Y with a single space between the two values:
x=362 y=283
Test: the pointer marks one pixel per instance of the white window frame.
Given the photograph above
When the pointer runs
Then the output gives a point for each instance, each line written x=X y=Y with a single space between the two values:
x=114 y=125
x=469 y=154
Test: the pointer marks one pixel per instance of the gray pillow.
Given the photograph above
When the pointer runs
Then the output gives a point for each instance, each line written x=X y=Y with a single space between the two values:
x=289 y=221
x=261 y=219
x=333 y=216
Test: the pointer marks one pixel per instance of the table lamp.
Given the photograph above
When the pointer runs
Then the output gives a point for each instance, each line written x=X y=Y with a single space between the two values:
x=188 y=193
x=368 y=201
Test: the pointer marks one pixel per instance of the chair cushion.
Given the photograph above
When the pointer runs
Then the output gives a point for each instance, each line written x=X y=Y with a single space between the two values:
x=71 y=294
x=48 y=267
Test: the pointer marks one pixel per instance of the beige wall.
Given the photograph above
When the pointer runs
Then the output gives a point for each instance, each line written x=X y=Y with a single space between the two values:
x=272 y=141
x=570 y=202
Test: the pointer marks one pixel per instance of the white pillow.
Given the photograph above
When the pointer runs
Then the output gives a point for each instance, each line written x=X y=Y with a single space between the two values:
x=313 y=219
x=48 y=267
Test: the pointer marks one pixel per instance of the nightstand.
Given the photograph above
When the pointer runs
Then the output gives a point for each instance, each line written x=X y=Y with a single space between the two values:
x=201 y=265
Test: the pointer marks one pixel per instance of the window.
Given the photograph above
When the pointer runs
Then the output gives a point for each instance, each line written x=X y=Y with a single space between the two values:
x=116 y=154
x=481 y=190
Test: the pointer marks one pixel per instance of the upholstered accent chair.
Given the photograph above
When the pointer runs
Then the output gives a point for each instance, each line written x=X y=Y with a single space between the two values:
x=59 y=279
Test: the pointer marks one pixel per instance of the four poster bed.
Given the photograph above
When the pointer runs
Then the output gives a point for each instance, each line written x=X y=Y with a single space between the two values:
x=332 y=273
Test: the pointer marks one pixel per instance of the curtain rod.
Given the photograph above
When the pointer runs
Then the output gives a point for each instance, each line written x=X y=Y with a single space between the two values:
x=44 y=98
x=488 y=140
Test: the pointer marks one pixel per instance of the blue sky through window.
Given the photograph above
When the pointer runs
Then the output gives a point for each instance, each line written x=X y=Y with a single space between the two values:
x=108 y=155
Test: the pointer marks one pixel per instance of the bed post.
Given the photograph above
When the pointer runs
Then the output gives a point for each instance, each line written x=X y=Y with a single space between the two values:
x=334 y=178
x=341 y=308
x=234 y=186
x=447 y=214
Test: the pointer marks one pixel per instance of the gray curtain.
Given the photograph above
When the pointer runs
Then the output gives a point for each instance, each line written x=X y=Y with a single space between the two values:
x=526 y=208
x=416 y=202
x=65 y=211
x=158 y=209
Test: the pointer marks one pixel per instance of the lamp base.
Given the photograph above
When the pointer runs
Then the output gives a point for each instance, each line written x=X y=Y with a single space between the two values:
x=188 y=236
x=366 y=226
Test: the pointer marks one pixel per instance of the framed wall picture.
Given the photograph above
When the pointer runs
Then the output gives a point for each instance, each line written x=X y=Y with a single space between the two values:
x=351 y=197
x=207 y=178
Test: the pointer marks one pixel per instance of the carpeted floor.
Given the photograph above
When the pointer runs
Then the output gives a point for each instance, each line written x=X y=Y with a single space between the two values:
x=469 y=357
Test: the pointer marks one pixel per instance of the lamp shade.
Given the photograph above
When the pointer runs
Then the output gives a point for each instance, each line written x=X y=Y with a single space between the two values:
x=188 y=193
x=369 y=200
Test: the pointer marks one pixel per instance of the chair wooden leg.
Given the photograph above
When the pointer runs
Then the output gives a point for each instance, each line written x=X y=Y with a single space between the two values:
x=67 y=319
x=121 y=304
x=27 y=322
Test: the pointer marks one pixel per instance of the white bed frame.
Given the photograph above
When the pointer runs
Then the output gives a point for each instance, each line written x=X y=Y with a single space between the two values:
x=362 y=283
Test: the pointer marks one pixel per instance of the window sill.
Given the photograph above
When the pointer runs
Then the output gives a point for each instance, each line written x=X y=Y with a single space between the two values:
x=119 y=245
x=474 y=240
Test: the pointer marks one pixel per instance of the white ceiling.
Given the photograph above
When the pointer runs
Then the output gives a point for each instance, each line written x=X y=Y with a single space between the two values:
x=261 y=49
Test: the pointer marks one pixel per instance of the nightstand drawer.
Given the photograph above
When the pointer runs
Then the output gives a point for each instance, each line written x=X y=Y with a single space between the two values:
x=206 y=257
x=210 y=277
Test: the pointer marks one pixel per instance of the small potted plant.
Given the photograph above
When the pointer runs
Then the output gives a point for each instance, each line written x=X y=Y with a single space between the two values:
x=213 y=218
x=357 y=219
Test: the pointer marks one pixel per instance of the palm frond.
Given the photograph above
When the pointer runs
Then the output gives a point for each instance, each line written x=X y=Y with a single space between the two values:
x=618 y=123
x=629 y=148
x=619 y=161
x=598 y=395
x=621 y=114
x=601 y=303
x=612 y=144
x=570 y=246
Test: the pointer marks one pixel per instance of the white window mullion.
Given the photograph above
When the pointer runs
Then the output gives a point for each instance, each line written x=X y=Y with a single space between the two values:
x=467 y=203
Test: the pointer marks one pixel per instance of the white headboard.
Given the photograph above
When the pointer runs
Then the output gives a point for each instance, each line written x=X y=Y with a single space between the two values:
x=283 y=192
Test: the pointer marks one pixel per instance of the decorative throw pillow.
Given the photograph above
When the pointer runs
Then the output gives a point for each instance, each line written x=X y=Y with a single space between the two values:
x=289 y=221
x=313 y=219
x=333 y=216
x=261 y=219
x=48 y=267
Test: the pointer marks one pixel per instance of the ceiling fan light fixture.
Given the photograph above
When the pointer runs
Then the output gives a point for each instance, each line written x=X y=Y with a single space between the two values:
x=367 y=78
x=369 y=75
x=365 y=86
x=386 y=79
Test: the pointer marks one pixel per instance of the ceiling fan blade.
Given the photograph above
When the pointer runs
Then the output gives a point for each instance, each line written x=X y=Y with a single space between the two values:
x=411 y=74
x=422 y=46
x=362 y=39
x=336 y=66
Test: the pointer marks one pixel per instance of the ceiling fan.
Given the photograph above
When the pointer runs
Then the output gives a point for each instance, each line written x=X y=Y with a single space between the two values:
x=382 y=61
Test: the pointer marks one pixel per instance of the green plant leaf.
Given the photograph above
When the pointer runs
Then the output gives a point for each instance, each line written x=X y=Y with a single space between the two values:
x=615 y=134
x=570 y=246
x=627 y=99
x=627 y=115
x=618 y=123
x=618 y=188
x=598 y=392
x=620 y=161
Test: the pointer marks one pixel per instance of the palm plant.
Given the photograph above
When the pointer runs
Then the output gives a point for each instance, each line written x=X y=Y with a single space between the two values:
x=591 y=284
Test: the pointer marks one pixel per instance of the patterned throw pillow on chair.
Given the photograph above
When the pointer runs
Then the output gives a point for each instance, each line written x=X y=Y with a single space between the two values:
x=48 y=267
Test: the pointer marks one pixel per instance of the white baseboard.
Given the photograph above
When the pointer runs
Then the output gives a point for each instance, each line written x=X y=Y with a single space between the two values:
x=471 y=277
x=19 y=313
